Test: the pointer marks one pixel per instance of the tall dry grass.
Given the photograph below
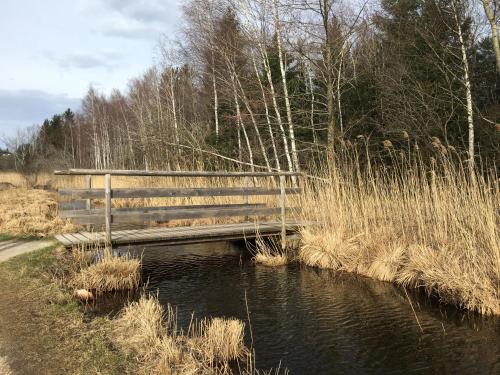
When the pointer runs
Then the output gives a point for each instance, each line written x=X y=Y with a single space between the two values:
x=30 y=212
x=434 y=228
x=148 y=332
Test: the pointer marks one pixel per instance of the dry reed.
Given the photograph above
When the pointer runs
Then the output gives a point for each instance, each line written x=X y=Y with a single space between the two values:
x=268 y=252
x=109 y=273
x=436 y=229
x=147 y=331
x=30 y=212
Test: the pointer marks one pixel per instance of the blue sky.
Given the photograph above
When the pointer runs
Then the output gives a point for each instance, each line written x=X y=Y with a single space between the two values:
x=51 y=51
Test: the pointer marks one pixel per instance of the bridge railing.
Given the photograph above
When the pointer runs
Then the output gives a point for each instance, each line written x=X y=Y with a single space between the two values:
x=85 y=214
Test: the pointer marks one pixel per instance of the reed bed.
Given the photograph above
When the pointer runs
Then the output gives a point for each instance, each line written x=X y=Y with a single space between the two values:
x=436 y=229
x=109 y=273
x=148 y=332
x=30 y=212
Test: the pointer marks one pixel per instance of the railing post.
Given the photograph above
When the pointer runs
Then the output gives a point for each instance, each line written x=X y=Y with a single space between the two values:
x=107 y=199
x=245 y=193
x=283 y=217
x=88 y=202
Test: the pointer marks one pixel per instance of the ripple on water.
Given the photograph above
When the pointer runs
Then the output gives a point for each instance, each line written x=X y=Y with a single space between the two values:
x=317 y=321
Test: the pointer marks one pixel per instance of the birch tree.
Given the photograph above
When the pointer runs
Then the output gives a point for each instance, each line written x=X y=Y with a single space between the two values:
x=491 y=8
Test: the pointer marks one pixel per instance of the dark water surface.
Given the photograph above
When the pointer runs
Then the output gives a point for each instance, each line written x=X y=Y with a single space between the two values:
x=321 y=322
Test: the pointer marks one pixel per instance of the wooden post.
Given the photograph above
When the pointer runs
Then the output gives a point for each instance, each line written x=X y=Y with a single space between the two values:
x=283 y=217
x=107 y=199
x=88 y=202
x=245 y=194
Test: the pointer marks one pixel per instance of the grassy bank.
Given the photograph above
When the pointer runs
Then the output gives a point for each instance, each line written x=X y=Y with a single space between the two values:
x=44 y=331
x=435 y=229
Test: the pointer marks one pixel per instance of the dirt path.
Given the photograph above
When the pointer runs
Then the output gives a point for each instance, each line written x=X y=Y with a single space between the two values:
x=11 y=248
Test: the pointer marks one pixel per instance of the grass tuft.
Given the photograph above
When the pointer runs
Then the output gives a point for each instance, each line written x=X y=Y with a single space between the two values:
x=109 y=273
x=268 y=252
x=150 y=333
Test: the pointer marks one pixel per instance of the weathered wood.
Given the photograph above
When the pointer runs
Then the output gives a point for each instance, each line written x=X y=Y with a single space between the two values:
x=167 y=215
x=71 y=206
x=283 y=212
x=88 y=185
x=88 y=202
x=107 y=199
x=245 y=195
x=175 y=192
x=126 y=210
x=123 y=172
x=182 y=235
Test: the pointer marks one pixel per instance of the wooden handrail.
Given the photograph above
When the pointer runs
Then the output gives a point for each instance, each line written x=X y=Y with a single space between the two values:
x=178 y=214
x=139 y=173
x=175 y=192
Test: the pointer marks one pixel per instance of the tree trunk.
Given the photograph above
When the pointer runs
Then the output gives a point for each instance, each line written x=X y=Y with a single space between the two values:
x=285 y=88
x=467 y=85
x=241 y=125
x=268 y=119
x=265 y=60
x=491 y=15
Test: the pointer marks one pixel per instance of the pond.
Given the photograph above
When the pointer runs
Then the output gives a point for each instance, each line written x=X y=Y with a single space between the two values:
x=321 y=322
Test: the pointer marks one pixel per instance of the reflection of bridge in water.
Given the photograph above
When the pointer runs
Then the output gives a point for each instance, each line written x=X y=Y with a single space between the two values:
x=79 y=209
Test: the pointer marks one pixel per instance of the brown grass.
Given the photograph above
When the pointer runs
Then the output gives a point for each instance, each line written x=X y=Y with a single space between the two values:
x=268 y=252
x=146 y=331
x=109 y=273
x=436 y=229
x=30 y=212
x=4 y=367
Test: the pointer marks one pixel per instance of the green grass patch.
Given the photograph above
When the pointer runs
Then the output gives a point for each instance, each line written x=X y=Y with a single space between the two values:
x=44 y=329
x=8 y=237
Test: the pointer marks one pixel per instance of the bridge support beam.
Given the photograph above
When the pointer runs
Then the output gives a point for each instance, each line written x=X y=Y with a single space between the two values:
x=107 y=200
x=283 y=212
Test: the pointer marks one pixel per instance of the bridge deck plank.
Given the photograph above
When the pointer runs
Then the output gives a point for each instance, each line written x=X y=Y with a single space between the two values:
x=175 y=235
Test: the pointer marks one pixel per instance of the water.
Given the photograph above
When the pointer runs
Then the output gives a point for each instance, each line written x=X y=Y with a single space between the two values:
x=321 y=322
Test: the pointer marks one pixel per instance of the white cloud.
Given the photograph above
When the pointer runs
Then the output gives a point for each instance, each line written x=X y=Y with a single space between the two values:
x=140 y=19
x=87 y=59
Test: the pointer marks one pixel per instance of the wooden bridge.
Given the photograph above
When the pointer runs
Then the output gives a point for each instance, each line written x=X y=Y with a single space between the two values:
x=80 y=209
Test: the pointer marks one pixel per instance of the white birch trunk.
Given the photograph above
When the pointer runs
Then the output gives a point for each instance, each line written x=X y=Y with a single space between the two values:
x=492 y=19
x=241 y=125
x=268 y=119
x=285 y=88
x=467 y=85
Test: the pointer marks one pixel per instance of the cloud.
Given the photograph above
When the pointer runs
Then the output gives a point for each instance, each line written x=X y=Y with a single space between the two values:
x=139 y=19
x=130 y=30
x=87 y=60
x=23 y=108
x=144 y=10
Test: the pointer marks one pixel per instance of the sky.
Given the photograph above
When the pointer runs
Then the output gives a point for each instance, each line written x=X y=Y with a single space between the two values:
x=51 y=51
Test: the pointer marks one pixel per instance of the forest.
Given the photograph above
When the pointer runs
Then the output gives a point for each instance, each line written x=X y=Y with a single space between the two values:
x=284 y=84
